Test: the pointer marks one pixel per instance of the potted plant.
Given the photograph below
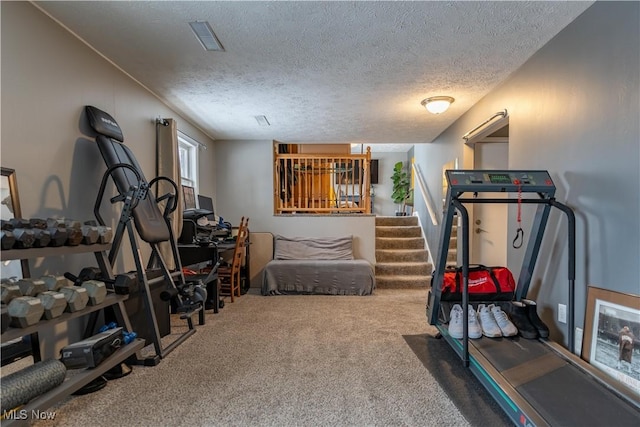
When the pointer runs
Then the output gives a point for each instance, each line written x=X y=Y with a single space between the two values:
x=401 y=185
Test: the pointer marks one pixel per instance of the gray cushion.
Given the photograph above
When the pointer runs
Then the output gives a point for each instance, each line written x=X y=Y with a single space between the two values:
x=319 y=248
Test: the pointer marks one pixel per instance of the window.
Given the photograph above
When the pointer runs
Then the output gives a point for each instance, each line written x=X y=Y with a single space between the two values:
x=188 y=152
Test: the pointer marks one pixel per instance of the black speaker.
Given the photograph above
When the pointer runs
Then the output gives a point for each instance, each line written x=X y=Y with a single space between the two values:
x=373 y=171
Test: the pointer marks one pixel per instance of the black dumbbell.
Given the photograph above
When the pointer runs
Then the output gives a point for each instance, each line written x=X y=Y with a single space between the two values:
x=58 y=232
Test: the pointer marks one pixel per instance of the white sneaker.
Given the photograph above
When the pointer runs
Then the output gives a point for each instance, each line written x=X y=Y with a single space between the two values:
x=508 y=329
x=488 y=323
x=455 y=322
x=475 y=331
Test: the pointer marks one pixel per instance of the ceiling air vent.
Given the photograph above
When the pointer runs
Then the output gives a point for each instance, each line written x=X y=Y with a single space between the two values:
x=262 y=120
x=206 y=36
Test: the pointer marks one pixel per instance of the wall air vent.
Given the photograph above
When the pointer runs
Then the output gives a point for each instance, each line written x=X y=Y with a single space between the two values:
x=206 y=36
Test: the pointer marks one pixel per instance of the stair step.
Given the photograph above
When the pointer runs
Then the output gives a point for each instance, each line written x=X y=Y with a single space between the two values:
x=396 y=220
x=403 y=268
x=403 y=282
x=399 y=243
x=401 y=255
x=395 y=231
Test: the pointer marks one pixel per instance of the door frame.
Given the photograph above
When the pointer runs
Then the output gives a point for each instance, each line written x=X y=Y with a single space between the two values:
x=481 y=134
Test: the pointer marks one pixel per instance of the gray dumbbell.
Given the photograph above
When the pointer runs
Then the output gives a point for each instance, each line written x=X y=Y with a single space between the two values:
x=74 y=231
x=90 y=234
x=21 y=229
x=8 y=239
x=54 y=304
x=96 y=290
x=43 y=236
x=58 y=231
x=106 y=234
x=31 y=287
x=77 y=298
x=25 y=311
x=9 y=292
x=53 y=283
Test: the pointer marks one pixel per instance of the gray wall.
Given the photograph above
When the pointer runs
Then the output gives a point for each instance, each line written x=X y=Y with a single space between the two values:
x=48 y=76
x=574 y=109
x=383 y=204
x=244 y=172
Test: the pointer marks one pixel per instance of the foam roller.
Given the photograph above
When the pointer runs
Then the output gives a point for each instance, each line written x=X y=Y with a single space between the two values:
x=20 y=387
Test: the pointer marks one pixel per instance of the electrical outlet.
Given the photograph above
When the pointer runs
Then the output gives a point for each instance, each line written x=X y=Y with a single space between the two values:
x=562 y=313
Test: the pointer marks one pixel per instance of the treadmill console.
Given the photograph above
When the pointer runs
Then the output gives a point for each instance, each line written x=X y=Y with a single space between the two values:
x=500 y=181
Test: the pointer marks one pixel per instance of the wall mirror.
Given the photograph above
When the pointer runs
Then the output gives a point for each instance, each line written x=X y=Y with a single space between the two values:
x=10 y=208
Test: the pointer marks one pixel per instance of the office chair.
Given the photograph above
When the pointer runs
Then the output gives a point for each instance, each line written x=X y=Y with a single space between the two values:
x=150 y=224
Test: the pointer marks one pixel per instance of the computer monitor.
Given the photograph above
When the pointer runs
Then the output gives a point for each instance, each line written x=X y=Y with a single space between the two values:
x=206 y=203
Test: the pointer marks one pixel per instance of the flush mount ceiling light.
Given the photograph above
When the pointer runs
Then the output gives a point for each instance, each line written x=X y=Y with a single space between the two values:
x=206 y=36
x=437 y=104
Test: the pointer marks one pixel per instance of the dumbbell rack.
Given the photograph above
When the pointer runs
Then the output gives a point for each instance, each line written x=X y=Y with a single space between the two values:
x=76 y=379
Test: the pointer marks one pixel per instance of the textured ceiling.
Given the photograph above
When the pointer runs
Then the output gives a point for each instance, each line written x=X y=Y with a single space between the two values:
x=319 y=71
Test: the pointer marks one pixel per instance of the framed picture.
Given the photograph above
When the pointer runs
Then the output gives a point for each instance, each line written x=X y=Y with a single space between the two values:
x=612 y=335
x=10 y=208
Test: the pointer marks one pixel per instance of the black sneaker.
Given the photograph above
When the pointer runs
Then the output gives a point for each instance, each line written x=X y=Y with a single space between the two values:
x=518 y=314
x=532 y=307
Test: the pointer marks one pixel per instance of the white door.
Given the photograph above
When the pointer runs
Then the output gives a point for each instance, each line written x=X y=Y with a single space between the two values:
x=489 y=221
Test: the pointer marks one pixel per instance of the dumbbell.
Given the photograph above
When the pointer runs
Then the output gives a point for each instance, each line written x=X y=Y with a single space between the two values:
x=74 y=230
x=87 y=279
x=21 y=230
x=43 y=236
x=127 y=336
x=96 y=290
x=105 y=234
x=54 y=283
x=77 y=298
x=31 y=287
x=8 y=239
x=9 y=292
x=90 y=234
x=54 y=304
x=25 y=311
x=58 y=232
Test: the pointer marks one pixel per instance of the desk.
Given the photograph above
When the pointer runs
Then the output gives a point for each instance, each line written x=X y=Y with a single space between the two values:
x=195 y=254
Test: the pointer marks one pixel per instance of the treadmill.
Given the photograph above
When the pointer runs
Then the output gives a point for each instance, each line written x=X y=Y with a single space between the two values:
x=536 y=382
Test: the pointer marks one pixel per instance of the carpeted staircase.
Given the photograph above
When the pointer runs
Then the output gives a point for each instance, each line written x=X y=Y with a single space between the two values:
x=401 y=257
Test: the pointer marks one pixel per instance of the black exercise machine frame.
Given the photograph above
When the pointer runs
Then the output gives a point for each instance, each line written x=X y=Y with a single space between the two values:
x=515 y=405
x=474 y=184
x=174 y=292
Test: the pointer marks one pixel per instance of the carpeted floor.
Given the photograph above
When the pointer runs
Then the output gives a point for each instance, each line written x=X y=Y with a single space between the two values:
x=294 y=361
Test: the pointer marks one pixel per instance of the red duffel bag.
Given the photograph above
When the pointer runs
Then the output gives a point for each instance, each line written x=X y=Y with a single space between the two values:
x=485 y=284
